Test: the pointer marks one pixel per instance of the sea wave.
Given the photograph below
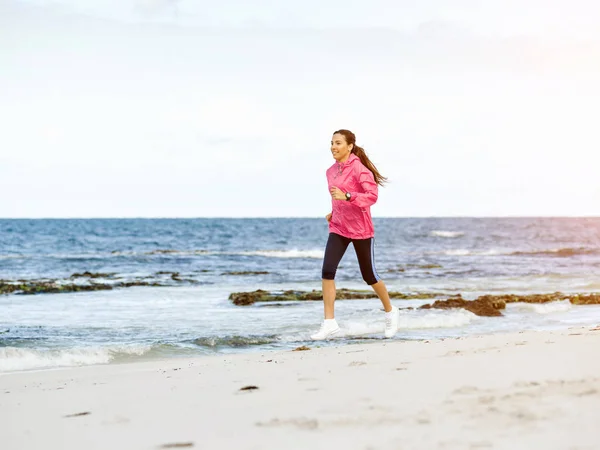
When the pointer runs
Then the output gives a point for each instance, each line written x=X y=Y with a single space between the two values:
x=285 y=253
x=447 y=234
x=543 y=308
x=167 y=252
x=558 y=252
x=414 y=321
x=72 y=256
x=436 y=319
x=314 y=254
x=15 y=358
x=234 y=341
x=8 y=256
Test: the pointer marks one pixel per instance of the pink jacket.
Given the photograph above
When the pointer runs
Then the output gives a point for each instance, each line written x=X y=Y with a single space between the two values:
x=352 y=219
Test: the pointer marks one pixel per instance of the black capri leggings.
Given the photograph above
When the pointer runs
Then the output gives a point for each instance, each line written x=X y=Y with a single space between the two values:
x=335 y=249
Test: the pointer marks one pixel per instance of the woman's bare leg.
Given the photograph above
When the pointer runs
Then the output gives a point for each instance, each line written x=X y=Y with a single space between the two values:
x=329 y=298
x=383 y=295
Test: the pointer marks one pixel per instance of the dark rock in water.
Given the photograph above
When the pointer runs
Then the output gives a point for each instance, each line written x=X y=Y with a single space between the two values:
x=490 y=305
x=576 y=299
x=246 y=273
x=416 y=296
x=52 y=287
x=162 y=252
x=248 y=298
x=585 y=299
x=278 y=305
x=138 y=283
x=480 y=307
x=414 y=266
x=92 y=275
x=174 y=276
x=530 y=298
x=43 y=287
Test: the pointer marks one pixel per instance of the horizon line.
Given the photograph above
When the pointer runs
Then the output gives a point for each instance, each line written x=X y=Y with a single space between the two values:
x=303 y=217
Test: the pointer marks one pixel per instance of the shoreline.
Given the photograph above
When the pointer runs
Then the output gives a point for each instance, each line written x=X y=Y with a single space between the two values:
x=505 y=390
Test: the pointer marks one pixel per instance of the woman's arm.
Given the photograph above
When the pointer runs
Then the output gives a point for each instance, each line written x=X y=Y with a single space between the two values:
x=370 y=191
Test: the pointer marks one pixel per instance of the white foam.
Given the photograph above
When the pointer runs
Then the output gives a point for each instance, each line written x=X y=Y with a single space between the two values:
x=412 y=321
x=436 y=319
x=447 y=234
x=14 y=358
x=544 y=308
x=457 y=252
x=75 y=255
x=165 y=253
x=13 y=257
x=360 y=328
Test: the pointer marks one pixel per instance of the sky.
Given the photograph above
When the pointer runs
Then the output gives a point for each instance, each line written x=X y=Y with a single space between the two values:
x=176 y=108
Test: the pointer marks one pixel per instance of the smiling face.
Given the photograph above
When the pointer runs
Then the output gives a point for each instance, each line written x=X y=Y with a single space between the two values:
x=340 y=148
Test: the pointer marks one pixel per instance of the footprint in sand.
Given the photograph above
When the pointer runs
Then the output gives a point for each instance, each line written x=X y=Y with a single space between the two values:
x=305 y=424
x=466 y=390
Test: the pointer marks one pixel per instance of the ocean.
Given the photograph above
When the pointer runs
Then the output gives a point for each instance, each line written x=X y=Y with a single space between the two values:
x=187 y=269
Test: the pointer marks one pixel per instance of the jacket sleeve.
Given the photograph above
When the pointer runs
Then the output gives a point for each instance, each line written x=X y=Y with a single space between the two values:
x=370 y=192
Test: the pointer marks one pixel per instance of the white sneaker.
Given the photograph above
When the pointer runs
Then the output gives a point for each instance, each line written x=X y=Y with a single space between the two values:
x=329 y=327
x=391 y=322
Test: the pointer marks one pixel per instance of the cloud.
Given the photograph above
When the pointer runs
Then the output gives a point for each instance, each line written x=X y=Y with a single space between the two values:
x=440 y=109
x=149 y=8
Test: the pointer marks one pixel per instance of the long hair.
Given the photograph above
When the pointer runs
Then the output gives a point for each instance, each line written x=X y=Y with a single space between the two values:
x=360 y=152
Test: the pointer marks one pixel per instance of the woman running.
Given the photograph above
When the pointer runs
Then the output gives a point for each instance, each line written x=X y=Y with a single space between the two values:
x=352 y=181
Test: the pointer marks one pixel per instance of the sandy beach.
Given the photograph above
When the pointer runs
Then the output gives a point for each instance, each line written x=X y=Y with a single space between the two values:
x=510 y=391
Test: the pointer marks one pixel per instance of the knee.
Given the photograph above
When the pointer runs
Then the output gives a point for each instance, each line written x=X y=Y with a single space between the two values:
x=370 y=279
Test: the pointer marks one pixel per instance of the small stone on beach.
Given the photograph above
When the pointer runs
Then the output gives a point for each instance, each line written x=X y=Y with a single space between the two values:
x=85 y=413
x=248 y=388
x=178 y=445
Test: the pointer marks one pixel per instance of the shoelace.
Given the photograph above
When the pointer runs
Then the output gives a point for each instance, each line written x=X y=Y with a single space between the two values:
x=321 y=329
x=388 y=319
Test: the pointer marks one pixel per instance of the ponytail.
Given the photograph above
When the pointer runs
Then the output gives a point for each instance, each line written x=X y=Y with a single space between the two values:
x=360 y=152
x=362 y=155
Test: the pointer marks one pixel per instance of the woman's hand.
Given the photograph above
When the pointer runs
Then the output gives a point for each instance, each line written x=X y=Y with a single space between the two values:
x=337 y=194
x=328 y=217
